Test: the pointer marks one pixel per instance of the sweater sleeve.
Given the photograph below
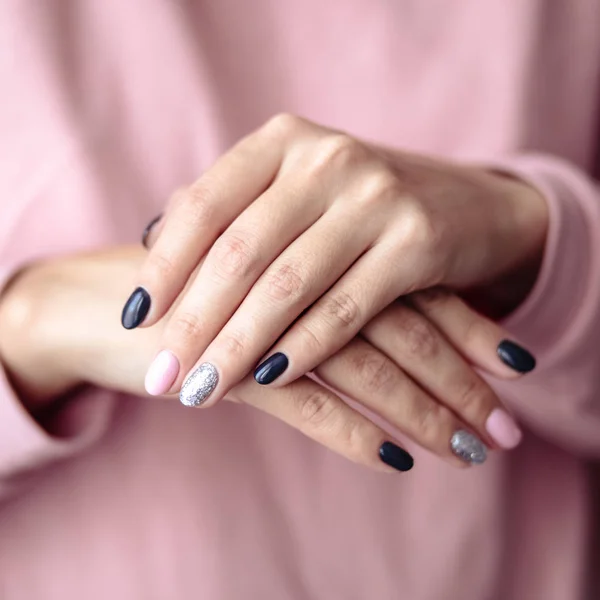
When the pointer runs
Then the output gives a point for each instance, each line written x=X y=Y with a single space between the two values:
x=52 y=201
x=560 y=320
x=61 y=214
x=27 y=445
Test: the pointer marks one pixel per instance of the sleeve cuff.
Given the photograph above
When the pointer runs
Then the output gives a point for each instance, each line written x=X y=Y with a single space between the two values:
x=558 y=309
x=24 y=442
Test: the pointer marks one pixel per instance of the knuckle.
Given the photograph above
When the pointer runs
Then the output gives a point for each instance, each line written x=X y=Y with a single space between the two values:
x=162 y=266
x=285 y=283
x=233 y=256
x=318 y=409
x=283 y=124
x=234 y=344
x=352 y=436
x=337 y=150
x=472 y=396
x=380 y=186
x=185 y=326
x=427 y=419
x=199 y=204
x=310 y=340
x=342 y=309
x=420 y=229
x=375 y=372
x=419 y=336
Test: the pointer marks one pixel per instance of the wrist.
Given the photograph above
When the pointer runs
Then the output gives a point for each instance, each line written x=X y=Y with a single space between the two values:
x=521 y=250
x=33 y=348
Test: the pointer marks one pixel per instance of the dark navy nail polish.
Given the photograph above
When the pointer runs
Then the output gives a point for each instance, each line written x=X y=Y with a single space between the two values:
x=515 y=356
x=269 y=370
x=148 y=229
x=135 y=309
x=396 y=457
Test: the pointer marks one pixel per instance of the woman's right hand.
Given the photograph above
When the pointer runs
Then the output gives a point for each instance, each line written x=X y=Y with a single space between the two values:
x=60 y=327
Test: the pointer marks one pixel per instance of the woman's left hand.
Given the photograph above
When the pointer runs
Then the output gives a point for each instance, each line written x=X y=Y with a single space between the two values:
x=310 y=233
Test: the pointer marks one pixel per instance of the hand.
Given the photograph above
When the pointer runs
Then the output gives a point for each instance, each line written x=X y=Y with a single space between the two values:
x=428 y=336
x=58 y=330
x=314 y=234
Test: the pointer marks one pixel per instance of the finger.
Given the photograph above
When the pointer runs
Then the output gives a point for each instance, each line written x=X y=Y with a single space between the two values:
x=364 y=291
x=327 y=419
x=481 y=341
x=154 y=228
x=414 y=343
x=197 y=218
x=151 y=232
x=301 y=194
x=295 y=279
x=232 y=266
x=367 y=375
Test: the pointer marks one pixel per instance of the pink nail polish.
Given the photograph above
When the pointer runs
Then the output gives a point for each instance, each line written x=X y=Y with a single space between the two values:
x=503 y=429
x=161 y=373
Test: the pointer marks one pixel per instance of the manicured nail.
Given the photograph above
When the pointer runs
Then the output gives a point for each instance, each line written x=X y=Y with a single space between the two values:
x=148 y=229
x=515 y=356
x=161 y=373
x=468 y=447
x=503 y=429
x=199 y=385
x=396 y=457
x=135 y=309
x=269 y=370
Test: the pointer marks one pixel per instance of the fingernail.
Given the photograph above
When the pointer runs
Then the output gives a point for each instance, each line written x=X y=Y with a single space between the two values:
x=161 y=374
x=135 y=309
x=468 y=447
x=148 y=229
x=396 y=457
x=515 y=356
x=503 y=429
x=269 y=370
x=199 y=385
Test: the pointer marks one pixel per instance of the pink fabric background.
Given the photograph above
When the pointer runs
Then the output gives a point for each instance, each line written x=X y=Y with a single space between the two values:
x=106 y=108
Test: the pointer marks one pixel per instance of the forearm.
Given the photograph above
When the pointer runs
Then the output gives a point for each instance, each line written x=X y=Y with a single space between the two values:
x=526 y=234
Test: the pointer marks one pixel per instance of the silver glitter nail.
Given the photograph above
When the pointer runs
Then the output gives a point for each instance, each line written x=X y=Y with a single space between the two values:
x=199 y=385
x=468 y=447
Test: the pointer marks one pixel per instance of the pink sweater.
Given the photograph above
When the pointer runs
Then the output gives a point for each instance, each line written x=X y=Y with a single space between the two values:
x=106 y=108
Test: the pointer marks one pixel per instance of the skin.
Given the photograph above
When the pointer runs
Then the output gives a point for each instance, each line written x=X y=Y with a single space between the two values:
x=50 y=345
x=310 y=233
